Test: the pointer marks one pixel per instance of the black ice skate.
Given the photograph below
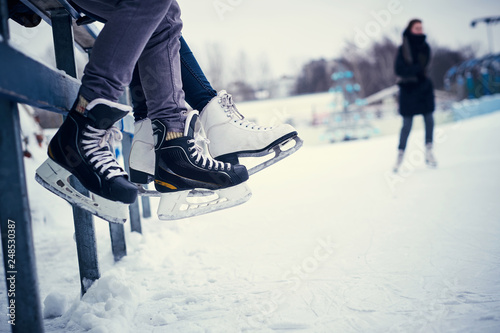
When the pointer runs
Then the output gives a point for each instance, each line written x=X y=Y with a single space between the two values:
x=81 y=147
x=190 y=182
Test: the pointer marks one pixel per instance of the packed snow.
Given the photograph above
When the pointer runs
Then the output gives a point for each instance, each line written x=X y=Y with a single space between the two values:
x=331 y=241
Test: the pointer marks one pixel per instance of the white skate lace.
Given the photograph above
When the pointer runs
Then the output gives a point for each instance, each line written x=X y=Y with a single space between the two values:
x=230 y=108
x=198 y=152
x=102 y=159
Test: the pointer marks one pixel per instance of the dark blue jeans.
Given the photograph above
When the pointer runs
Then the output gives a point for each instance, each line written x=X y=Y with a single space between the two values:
x=405 y=130
x=197 y=90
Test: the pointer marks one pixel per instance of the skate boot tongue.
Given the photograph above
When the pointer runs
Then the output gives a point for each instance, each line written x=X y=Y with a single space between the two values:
x=97 y=138
x=101 y=112
x=192 y=124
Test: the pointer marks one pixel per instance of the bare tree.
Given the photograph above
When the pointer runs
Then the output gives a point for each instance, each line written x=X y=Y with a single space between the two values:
x=373 y=69
x=241 y=68
x=315 y=77
x=239 y=81
x=264 y=73
x=215 y=65
x=443 y=59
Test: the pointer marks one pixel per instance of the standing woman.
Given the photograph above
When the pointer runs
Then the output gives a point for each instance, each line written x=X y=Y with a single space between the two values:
x=416 y=93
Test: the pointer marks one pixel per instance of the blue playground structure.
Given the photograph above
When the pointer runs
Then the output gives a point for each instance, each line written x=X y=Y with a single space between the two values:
x=475 y=78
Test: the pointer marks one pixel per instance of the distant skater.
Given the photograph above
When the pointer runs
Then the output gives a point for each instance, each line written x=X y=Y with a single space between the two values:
x=416 y=92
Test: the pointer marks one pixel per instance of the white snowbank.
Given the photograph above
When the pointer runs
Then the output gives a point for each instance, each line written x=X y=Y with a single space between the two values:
x=331 y=241
x=55 y=304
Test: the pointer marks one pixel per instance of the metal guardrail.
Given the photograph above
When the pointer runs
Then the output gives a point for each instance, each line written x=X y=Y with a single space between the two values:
x=84 y=35
x=24 y=80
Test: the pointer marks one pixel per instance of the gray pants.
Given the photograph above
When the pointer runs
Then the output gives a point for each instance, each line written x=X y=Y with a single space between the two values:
x=145 y=32
x=405 y=130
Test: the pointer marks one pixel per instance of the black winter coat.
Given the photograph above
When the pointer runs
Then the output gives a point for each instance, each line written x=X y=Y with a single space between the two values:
x=416 y=93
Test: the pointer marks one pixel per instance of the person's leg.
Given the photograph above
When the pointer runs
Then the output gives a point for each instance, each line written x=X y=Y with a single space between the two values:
x=155 y=51
x=429 y=128
x=160 y=73
x=403 y=139
x=195 y=84
x=129 y=28
x=139 y=105
x=405 y=132
x=197 y=89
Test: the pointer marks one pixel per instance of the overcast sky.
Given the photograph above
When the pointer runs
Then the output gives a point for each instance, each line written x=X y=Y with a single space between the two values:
x=289 y=32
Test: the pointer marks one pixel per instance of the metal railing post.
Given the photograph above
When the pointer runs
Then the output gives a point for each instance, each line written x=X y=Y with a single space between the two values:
x=25 y=314
x=86 y=246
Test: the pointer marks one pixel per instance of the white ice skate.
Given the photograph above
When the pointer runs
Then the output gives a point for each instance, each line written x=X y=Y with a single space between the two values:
x=399 y=160
x=56 y=179
x=429 y=156
x=231 y=136
x=142 y=153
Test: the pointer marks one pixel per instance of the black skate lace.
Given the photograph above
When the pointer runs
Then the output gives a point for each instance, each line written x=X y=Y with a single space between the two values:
x=198 y=152
x=230 y=108
x=103 y=160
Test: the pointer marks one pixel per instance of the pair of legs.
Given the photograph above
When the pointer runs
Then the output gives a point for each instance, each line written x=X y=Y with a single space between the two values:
x=403 y=139
x=219 y=118
x=197 y=89
x=140 y=35
x=407 y=124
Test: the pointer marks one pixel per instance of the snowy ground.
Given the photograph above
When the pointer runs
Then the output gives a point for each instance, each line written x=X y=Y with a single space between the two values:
x=331 y=241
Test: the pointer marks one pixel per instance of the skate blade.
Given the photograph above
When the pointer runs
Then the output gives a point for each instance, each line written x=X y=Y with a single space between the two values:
x=154 y=193
x=184 y=204
x=142 y=191
x=56 y=179
x=280 y=151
